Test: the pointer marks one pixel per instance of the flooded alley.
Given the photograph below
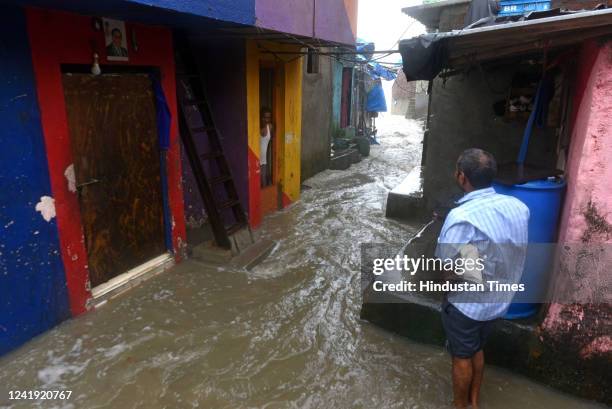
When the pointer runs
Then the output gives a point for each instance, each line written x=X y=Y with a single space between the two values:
x=285 y=335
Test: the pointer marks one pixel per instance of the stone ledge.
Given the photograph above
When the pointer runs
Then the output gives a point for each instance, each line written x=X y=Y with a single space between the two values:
x=406 y=201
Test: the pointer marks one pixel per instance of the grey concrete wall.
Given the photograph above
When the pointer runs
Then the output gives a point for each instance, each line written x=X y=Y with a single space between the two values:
x=453 y=18
x=402 y=96
x=421 y=101
x=404 y=107
x=461 y=116
x=317 y=112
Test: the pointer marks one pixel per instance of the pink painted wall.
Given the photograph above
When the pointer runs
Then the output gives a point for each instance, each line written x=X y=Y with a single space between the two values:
x=590 y=151
x=582 y=267
x=330 y=20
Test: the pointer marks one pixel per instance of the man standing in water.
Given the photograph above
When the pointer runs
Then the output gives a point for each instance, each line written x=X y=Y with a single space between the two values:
x=496 y=226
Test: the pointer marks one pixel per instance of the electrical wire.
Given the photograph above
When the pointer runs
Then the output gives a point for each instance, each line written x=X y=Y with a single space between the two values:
x=402 y=35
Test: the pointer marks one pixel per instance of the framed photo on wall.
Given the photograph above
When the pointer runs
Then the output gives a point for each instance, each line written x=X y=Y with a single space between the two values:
x=115 y=40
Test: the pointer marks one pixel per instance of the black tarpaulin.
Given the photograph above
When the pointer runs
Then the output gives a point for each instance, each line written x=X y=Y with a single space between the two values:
x=481 y=9
x=423 y=57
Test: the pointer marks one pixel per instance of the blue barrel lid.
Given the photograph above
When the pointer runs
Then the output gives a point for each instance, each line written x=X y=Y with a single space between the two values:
x=541 y=184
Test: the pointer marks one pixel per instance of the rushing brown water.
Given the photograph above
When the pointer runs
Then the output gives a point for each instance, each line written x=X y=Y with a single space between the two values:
x=285 y=335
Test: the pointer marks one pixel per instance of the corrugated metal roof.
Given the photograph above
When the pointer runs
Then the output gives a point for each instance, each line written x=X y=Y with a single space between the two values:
x=510 y=39
x=429 y=13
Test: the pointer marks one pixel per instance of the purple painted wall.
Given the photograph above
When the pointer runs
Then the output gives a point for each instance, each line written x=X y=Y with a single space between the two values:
x=223 y=66
x=289 y=16
x=336 y=20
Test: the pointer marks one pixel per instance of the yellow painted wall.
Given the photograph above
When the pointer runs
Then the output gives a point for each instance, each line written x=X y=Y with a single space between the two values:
x=293 y=129
x=252 y=84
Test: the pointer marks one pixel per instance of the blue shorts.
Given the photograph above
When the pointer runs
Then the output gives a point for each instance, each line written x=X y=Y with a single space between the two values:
x=465 y=336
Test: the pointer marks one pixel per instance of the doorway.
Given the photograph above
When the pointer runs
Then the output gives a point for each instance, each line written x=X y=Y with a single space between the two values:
x=271 y=97
x=114 y=141
x=345 y=102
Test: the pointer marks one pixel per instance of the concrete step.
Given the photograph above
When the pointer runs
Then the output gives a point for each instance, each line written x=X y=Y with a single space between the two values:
x=209 y=253
x=241 y=240
x=253 y=255
x=406 y=200
x=244 y=254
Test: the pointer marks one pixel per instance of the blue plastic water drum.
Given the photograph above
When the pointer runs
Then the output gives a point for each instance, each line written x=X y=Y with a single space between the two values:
x=544 y=199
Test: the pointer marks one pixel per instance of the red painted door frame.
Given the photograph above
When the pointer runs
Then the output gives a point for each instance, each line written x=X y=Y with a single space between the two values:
x=58 y=38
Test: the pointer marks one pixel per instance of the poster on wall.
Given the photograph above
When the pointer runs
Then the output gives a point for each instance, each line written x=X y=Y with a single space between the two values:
x=115 y=40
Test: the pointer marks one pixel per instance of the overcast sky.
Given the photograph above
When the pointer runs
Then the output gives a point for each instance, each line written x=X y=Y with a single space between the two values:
x=382 y=22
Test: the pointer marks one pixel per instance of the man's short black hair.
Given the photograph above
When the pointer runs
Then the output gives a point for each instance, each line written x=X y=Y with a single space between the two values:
x=478 y=166
x=116 y=30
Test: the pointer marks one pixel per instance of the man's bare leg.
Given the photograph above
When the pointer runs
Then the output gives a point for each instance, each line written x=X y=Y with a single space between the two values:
x=462 y=379
x=477 y=374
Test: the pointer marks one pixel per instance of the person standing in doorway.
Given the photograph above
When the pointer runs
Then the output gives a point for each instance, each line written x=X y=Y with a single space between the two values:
x=495 y=226
x=266 y=137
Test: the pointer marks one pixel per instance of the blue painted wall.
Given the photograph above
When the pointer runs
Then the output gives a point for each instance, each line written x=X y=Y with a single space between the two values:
x=33 y=294
x=337 y=95
x=178 y=13
x=237 y=11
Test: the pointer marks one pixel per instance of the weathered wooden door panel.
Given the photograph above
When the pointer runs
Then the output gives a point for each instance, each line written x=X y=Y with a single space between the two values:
x=114 y=140
x=345 y=101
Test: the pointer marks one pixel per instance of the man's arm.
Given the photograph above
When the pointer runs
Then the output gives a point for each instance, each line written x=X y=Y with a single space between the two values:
x=453 y=238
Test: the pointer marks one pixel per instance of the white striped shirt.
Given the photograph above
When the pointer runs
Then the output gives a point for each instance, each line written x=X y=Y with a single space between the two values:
x=497 y=226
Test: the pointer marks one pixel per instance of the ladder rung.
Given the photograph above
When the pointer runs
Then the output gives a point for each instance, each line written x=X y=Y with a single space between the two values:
x=229 y=203
x=211 y=155
x=220 y=179
x=193 y=103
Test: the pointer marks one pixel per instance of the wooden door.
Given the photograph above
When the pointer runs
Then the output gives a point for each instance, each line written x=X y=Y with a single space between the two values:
x=113 y=133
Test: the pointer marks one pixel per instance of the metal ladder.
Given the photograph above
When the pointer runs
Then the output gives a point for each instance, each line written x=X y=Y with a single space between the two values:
x=210 y=169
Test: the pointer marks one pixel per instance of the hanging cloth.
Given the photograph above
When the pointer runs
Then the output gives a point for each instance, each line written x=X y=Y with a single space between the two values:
x=164 y=118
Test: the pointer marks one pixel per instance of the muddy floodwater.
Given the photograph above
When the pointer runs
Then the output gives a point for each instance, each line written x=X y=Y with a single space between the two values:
x=285 y=335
